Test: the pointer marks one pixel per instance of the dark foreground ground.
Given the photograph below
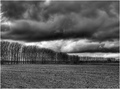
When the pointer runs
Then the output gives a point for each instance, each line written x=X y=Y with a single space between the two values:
x=59 y=76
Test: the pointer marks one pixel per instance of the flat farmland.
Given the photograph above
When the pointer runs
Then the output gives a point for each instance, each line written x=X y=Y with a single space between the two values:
x=59 y=76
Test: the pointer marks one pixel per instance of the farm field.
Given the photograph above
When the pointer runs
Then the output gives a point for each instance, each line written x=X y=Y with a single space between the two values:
x=59 y=76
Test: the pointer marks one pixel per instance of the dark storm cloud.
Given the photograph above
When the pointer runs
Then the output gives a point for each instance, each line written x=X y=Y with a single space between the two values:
x=12 y=9
x=87 y=9
x=33 y=9
x=15 y=10
x=37 y=21
x=105 y=50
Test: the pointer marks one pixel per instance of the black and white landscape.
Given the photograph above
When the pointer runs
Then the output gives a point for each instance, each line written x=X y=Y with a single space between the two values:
x=59 y=44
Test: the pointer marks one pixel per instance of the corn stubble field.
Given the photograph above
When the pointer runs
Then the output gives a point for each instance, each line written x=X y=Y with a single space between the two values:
x=59 y=76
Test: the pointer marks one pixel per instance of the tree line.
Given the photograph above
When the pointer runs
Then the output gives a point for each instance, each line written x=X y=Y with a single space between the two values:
x=14 y=53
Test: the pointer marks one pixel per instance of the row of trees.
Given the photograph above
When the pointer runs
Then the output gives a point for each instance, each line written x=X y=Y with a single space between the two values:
x=87 y=58
x=13 y=52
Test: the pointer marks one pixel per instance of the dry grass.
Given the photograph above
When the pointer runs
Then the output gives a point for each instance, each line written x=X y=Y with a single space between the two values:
x=59 y=76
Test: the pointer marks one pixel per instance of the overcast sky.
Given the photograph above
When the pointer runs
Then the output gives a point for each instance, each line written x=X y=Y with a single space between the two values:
x=67 y=26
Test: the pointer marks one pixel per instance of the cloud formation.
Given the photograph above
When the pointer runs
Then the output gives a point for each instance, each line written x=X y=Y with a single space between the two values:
x=60 y=20
x=62 y=26
x=35 y=21
x=79 y=45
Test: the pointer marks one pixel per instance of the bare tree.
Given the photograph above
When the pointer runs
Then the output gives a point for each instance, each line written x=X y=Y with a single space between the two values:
x=4 y=51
